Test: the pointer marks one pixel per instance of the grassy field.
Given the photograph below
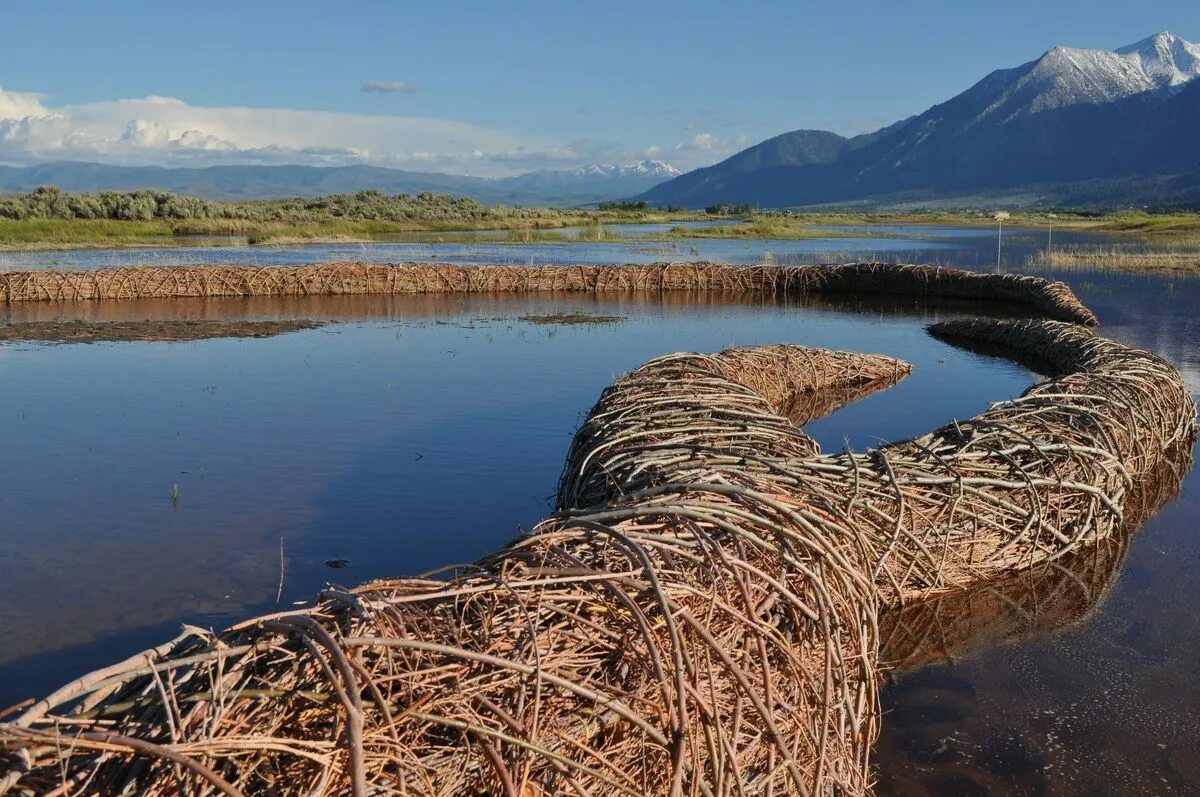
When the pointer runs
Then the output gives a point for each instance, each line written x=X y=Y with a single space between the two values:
x=33 y=234
x=767 y=227
x=1145 y=223
x=51 y=219
x=1135 y=222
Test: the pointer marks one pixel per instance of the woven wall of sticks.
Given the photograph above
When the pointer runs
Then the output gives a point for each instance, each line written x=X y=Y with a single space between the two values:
x=1039 y=296
x=701 y=616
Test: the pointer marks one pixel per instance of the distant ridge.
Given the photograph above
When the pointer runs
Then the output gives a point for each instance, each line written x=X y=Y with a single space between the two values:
x=1082 y=127
x=586 y=185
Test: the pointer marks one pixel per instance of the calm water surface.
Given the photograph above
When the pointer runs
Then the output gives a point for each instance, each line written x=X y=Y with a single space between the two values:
x=967 y=247
x=418 y=431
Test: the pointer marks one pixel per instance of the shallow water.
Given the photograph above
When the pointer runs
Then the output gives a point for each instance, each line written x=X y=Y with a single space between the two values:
x=963 y=246
x=419 y=431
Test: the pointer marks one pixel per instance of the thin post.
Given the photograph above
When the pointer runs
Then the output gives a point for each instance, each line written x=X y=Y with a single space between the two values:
x=1000 y=216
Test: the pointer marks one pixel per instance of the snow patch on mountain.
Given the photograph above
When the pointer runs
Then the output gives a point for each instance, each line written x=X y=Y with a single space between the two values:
x=645 y=168
x=1072 y=76
x=586 y=184
x=1166 y=59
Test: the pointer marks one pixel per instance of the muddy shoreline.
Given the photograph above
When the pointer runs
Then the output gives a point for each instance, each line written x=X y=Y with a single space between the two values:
x=80 y=331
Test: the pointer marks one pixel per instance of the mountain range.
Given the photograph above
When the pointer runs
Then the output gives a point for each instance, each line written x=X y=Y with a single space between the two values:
x=546 y=187
x=1074 y=127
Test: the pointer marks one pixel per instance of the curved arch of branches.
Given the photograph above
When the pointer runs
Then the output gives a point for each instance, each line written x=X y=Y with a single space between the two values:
x=700 y=616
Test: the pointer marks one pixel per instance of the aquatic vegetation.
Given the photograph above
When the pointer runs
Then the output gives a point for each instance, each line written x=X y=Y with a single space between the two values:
x=83 y=331
x=571 y=319
x=772 y=227
x=1124 y=257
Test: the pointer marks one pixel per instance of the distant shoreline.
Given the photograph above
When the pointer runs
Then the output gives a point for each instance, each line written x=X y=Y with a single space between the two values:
x=63 y=235
x=49 y=220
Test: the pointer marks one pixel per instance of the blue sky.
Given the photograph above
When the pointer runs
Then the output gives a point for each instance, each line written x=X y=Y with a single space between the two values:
x=501 y=87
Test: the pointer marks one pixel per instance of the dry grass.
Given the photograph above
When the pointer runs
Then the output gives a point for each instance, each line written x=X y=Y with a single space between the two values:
x=1125 y=258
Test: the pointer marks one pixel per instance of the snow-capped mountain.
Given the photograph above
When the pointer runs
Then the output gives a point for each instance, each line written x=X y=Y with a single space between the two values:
x=1129 y=116
x=647 y=168
x=589 y=183
x=1071 y=76
x=1166 y=59
x=586 y=184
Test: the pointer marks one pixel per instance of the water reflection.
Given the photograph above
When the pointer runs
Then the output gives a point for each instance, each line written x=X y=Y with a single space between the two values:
x=485 y=306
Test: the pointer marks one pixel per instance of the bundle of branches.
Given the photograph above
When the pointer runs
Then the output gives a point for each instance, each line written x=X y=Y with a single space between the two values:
x=1028 y=602
x=741 y=403
x=700 y=617
x=1030 y=479
x=1049 y=299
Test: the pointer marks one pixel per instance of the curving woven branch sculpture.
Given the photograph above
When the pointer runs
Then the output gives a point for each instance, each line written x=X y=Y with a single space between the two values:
x=556 y=646
x=1047 y=597
x=701 y=617
x=1043 y=297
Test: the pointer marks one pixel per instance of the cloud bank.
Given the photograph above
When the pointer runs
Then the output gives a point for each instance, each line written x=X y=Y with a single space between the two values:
x=166 y=131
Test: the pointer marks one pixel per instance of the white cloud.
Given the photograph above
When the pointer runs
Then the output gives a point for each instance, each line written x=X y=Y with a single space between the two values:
x=16 y=105
x=390 y=87
x=704 y=148
x=167 y=131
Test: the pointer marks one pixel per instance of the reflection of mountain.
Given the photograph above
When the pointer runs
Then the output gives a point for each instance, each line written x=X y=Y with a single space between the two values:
x=1043 y=599
x=1073 y=127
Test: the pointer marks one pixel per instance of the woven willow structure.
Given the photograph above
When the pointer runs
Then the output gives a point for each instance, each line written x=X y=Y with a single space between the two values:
x=1047 y=597
x=700 y=617
x=1042 y=297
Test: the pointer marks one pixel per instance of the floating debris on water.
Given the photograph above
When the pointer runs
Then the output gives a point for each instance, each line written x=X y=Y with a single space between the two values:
x=572 y=319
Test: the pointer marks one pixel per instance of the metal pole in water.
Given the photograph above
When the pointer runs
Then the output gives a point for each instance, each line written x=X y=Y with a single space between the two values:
x=1000 y=217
